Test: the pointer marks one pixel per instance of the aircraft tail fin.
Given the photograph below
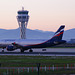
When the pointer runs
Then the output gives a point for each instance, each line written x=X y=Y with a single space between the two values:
x=59 y=33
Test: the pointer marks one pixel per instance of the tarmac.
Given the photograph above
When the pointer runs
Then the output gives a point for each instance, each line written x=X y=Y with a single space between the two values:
x=43 y=52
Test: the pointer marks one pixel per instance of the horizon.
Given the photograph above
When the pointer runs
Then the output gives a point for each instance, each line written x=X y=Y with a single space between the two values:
x=46 y=15
x=35 y=29
x=38 y=33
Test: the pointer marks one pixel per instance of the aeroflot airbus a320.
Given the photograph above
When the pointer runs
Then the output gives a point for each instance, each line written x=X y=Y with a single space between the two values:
x=55 y=40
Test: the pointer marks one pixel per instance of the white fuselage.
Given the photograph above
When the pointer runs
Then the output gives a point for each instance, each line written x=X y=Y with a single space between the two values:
x=22 y=41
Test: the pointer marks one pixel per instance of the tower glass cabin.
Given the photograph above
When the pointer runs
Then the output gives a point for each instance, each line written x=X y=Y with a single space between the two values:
x=22 y=19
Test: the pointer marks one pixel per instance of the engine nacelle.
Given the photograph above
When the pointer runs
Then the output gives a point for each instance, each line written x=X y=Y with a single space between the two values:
x=10 y=48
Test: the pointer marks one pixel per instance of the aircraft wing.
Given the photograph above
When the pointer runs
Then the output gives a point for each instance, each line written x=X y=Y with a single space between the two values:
x=17 y=45
x=3 y=45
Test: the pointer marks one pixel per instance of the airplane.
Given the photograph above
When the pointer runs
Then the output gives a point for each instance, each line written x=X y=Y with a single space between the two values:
x=55 y=40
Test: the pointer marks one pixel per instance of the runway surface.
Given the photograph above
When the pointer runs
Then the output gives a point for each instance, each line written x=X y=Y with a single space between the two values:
x=47 y=52
x=39 y=53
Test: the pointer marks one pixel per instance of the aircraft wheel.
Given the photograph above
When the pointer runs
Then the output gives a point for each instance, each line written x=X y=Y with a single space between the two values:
x=43 y=49
x=22 y=50
x=30 y=50
x=3 y=50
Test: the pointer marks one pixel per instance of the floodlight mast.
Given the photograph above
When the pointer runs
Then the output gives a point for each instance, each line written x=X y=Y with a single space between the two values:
x=22 y=19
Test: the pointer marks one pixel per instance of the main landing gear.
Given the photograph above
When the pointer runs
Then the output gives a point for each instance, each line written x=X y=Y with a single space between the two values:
x=30 y=50
x=22 y=50
x=3 y=50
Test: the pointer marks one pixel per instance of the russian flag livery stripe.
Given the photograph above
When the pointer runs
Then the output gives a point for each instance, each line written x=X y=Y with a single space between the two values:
x=60 y=29
x=59 y=33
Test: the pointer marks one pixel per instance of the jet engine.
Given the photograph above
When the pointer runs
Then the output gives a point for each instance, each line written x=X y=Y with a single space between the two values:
x=11 y=48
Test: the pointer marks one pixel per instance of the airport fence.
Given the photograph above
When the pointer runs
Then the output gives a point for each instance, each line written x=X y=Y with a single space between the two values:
x=37 y=68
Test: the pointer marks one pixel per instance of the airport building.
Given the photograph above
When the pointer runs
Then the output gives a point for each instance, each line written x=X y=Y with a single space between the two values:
x=23 y=19
x=72 y=41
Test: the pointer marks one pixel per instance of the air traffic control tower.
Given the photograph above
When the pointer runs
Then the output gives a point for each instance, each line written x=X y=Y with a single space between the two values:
x=22 y=19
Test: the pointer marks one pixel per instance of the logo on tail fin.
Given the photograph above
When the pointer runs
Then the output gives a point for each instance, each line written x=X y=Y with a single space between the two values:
x=59 y=33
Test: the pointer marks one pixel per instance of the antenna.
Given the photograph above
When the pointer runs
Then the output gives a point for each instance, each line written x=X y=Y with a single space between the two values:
x=22 y=8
